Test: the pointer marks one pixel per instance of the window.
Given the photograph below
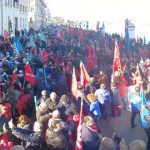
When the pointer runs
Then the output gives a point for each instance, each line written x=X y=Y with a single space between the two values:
x=6 y=2
x=31 y=20
x=20 y=7
x=26 y=10
x=20 y=23
x=32 y=9
x=10 y=3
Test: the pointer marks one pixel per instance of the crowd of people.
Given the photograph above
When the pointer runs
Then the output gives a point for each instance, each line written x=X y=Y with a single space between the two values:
x=37 y=108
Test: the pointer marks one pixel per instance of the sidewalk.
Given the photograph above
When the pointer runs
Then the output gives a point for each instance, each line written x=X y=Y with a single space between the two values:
x=121 y=125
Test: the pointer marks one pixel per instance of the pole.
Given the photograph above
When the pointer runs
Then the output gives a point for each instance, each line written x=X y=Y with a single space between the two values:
x=81 y=110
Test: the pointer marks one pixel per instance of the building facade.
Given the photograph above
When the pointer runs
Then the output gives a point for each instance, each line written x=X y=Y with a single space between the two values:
x=37 y=14
x=13 y=15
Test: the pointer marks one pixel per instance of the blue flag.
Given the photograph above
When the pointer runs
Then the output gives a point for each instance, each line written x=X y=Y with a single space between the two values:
x=25 y=33
x=37 y=75
x=18 y=44
x=45 y=79
x=143 y=111
x=36 y=102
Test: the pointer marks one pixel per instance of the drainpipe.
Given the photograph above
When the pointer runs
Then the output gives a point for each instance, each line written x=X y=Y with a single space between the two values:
x=2 y=16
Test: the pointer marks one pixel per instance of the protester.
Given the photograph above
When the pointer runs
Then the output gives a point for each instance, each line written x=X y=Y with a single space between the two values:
x=135 y=105
x=52 y=101
x=42 y=113
x=66 y=107
x=104 y=97
x=33 y=140
x=90 y=136
x=56 y=138
x=94 y=108
x=137 y=145
x=115 y=100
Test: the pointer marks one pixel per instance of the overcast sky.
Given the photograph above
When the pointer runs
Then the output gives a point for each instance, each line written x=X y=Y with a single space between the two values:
x=112 y=12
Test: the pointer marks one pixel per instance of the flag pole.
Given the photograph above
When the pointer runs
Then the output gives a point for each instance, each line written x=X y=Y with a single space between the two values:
x=81 y=110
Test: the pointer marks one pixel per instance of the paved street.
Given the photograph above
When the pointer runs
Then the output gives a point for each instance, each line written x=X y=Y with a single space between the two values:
x=121 y=125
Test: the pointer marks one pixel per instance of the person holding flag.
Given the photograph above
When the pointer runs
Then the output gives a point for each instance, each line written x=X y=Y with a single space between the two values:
x=135 y=105
x=118 y=75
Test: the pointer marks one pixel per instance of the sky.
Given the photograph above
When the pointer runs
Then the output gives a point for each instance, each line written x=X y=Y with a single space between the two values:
x=111 y=12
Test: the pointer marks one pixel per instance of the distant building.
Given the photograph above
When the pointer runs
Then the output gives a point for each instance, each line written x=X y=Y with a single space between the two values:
x=37 y=14
x=131 y=28
x=13 y=15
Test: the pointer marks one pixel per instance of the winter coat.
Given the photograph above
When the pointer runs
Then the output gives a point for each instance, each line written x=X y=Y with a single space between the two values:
x=32 y=139
x=42 y=116
x=3 y=121
x=67 y=110
x=115 y=95
x=51 y=105
x=91 y=140
x=95 y=109
x=103 y=95
x=56 y=140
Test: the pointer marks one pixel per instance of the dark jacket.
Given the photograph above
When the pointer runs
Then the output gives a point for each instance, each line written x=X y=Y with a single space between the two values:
x=32 y=140
x=3 y=121
x=56 y=140
x=91 y=140
x=51 y=105
x=67 y=110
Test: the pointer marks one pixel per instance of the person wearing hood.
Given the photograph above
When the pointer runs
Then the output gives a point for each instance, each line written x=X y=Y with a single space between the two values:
x=90 y=138
x=56 y=138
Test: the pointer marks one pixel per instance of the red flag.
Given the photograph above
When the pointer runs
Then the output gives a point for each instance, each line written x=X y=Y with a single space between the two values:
x=44 y=57
x=74 y=83
x=84 y=76
x=14 y=76
x=79 y=142
x=116 y=61
x=22 y=102
x=29 y=76
x=137 y=79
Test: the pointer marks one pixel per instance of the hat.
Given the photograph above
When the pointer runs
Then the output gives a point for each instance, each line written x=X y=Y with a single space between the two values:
x=107 y=143
x=137 y=145
x=43 y=92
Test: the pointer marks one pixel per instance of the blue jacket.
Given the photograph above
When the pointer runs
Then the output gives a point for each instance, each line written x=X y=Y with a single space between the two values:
x=135 y=101
x=95 y=109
